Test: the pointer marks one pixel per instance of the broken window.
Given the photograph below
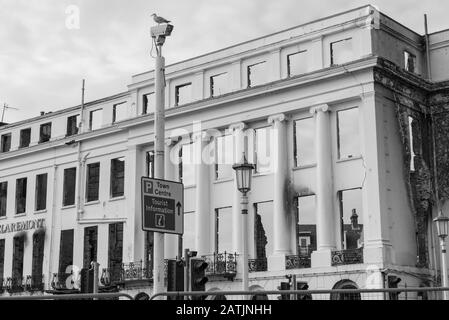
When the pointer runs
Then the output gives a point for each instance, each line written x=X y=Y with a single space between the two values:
x=66 y=251
x=3 y=198
x=45 y=132
x=95 y=119
x=409 y=61
x=257 y=74
x=263 y=229
x=149 y=103
x=304 y=148
x=37 y=259
x=351 y=215
x=224 y=156
x=306 y=237
x=411 y=141
x=341 y=51
x=263 y=149
x=2 y=260
x=90 y=246
x=223 y=228
x=183 y=94
x=297 y=63
x=186 y=164
x=348 y=133
x=117 y=177
x=17 y=259
x=93 y=181
x=41 y=192
x=218 y=84
x=119 y=112
x=72 y=125
x=25 y=138
x=115 y=252
x=6 y=143
x=21 y=195
x=150 y=164
x=68 y=198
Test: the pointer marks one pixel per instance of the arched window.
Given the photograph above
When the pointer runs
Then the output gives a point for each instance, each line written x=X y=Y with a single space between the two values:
x=345 y=284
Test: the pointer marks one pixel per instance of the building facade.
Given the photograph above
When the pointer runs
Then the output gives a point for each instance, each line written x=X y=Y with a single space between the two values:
x=338 y=115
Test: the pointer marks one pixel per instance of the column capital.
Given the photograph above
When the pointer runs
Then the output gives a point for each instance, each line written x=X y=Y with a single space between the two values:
x=277 y=118
x=203 y=135
x=237 y=126
x=320 y=108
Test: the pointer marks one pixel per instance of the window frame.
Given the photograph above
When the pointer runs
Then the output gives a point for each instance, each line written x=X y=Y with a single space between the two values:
x=3 y=198
x=65 y=187
x=406 y=61
x=91 y=113
x=340 y=157
x=41 y=194
x=187 y=84
x=43 y=138
x=9 y=140
x=71 y=131
x=117 y=179
x=211 y=84
x=271 y=151
x=145 y=102
x=114 y=111
x=289 y=74
x=332 y=51
x=23 y=196
x=89 y=181
x=248 y=74
x=21 y=141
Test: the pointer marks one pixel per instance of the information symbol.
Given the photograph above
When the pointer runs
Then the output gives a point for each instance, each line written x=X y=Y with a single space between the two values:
x=160 y=221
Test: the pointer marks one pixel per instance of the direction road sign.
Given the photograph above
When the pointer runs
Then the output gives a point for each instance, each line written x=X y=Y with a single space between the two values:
x=162 y=206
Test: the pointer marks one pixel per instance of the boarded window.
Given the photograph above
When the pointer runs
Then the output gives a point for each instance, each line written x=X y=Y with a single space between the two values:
x=183 y=94
x=409 y=61
x=21 y=195
x=68 y=198
x=186 y=164
x=2 y=259
x=263 y=229
x=224 y=157
x=263 y=149
x=90 y=246
x=297 y=63
x=348 y=133
x=41 y=192
x=257 y=74
x=115 y=252
x=351 y=215
x=45 y=132
x=218 y=84
x=119 y=112
x=6 y=143
x=149 y=103
x=93 y=181
x=304 y=135
x=95 y=119
x=306 y=227
x=341 y=51
x=17 y=259
x=150 y=164
x=117 y=177
x=72 y=125
x=3 y=198
x=223 y=227
x=66 y=250
x=38 y=257
x=25 y=138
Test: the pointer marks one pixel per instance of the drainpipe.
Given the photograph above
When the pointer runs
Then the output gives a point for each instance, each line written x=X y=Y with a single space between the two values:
x=79 y=178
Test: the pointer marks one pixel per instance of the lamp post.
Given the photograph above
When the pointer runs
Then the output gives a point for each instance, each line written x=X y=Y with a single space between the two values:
x=244 y=172
x=442 y=224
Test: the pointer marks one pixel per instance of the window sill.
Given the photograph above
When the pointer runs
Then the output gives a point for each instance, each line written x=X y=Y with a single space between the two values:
x=19 y=215
x=218 y=181
x=308 y=166
x=349 y=159
x=68 y=207
x=3 y=218
x=40 y=211
x=92 y=203
x=117 y=198
x=262 y=174
x=190 y=186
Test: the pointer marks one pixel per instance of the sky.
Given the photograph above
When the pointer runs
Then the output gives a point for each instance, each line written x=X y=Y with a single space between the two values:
x=48 y=46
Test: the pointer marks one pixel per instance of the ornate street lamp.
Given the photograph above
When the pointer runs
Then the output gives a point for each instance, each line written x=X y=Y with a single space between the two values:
x=442 y=223
x=243 y=174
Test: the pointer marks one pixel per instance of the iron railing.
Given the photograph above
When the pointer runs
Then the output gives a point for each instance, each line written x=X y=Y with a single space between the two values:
x=35 y=283
x=131 y=271
x=14 y=284
x=221 y=264
x=345 y=257
x=297 y=262
x=257 y=265
x=62 y=281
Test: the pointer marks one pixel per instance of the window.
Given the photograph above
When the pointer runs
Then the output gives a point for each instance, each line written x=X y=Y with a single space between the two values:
x=25 y=138
x=150 y=164
x=90 y=246
x=186 y=164
x=21 y=195
x=409 y=61
x=218 y=84
x=72 y=125
x=119 y=112
x=256 y=74
x=341 y=51
x=297 y=63
x=306 y=229
x=41 y=192
x=17 y=259
x=411 y=122
x=68 y=192
x=93 y=181
x=117 y=177
x=66 y=251
x=223 y=227
x=351 y=215
x=263 y=149
x=2 y=259
x=3 y=198
x=95 y=119
x=224 y=157
x=37 y=259
x=6 y=143
x=149 y=103
x=263 y=229
x=45 y=133
x=115 y=253
x=304 y=148
x=348 y=133
x=183 y=94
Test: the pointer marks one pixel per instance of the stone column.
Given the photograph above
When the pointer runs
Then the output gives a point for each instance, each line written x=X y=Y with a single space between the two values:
x=171 y=240
x=324 y=188
x=281 y=228
x=203 y=214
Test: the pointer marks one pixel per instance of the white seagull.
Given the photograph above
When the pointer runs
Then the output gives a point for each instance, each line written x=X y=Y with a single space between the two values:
x=159 y=20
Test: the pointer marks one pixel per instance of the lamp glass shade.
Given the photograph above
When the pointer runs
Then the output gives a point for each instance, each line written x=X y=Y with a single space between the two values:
x=243 y=172
x=442 y=224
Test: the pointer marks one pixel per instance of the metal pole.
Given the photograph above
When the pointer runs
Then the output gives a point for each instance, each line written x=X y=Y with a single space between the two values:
x=186 y=271
x=245 y=281
x=95 y=266
x=159 y=125
x=444 y=279
x=429 y=70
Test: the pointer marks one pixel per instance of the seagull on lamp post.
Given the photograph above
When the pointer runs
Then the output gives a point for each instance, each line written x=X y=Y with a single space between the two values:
x=159 y=20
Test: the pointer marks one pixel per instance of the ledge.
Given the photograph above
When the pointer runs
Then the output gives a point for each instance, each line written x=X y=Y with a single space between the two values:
x=308 y=166
x=40 y=211
x=218 y=181
x=68 y=207
x=117 y=199
x=349 y=159
x=92 y=203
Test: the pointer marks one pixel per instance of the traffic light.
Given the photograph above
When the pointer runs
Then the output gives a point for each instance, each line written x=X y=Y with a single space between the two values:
x=393 y=283
x=198 y=275
x=175 y=277
x=284 y=286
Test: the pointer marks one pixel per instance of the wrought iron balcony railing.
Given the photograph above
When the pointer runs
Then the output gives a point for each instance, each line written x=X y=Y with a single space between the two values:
x=345 y=257
x=257 y=265
x=63 y=281
x=222 y=264
x=34 y=283
x=14 y=284
x=297 y=262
